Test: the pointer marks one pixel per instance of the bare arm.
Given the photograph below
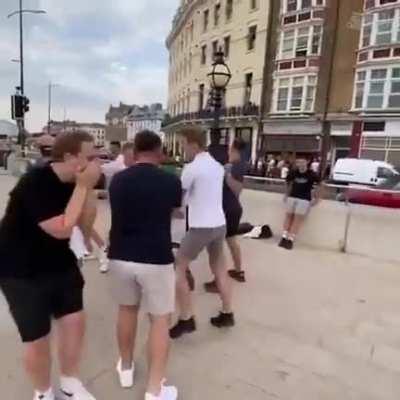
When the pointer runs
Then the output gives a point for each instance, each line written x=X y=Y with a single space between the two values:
x=60 y=227
x=235 y=185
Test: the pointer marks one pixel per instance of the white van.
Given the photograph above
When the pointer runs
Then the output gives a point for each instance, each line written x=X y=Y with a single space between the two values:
x=365 y=172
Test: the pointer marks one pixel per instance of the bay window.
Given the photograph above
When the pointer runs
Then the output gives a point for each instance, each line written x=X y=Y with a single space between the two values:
x=381 y=28
x=377 y=89
x=295 y=94
x=301 y=42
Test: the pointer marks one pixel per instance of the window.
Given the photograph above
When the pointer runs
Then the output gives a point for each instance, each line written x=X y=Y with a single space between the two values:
x=253 y=4
x=377 y=89
x=384 y=173
x=248 y=88
x=190 y=62
x=252 y=37
x=214 y=48
x=204 y=54
x=295 y=94
x=301 y=42
x=201 y=97
x=229 y=10
x=381 y=28
x=217 y=14
x=298 y=5
x=227 y=46
x=206 y=15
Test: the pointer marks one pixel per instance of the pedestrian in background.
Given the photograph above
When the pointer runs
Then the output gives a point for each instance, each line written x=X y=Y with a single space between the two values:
x=302 y=193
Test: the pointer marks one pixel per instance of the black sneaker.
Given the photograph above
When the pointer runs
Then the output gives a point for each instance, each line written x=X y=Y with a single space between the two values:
x=289 y=244
x=223 y=320
x=283 y=243
x=182 y=327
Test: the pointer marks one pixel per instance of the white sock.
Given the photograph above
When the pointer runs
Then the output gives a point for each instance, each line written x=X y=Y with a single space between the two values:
x=285 y=234
x=292 y=238
x=69 y=383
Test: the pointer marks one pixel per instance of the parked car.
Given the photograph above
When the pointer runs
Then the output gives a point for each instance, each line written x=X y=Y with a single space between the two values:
x=364 y=172
x=380 y=195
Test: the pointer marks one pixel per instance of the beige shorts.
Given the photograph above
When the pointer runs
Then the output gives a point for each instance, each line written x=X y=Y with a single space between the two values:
x=198 y=239
x=147 y=285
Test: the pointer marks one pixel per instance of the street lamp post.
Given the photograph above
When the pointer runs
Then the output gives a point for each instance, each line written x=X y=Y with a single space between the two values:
x=51 y=85
x=20 y=13
x=219 y=76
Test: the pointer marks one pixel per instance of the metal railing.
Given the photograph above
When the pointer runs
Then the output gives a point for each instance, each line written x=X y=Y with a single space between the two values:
x=228 y=112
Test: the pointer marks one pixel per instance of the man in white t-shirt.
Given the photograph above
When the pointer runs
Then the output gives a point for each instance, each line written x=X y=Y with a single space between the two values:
x=202 y=183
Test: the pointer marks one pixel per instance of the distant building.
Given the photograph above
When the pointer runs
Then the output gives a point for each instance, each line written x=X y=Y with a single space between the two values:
x=8 y=129
x=96 y=130
x=146 y=117
x=116 y=122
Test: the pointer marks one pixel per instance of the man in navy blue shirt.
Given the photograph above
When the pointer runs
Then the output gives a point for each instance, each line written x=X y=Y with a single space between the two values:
x=143 y=199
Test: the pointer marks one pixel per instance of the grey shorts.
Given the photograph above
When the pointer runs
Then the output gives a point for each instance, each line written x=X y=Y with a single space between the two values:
x=147 y=285
x=198 y=239
x=298 y=206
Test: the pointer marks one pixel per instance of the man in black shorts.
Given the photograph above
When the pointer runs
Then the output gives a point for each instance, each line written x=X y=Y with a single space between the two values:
x=39 y=275
x=235 y=171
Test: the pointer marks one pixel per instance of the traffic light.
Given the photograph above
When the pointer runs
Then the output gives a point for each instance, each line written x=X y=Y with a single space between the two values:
x=25 y=104
x=19 y=106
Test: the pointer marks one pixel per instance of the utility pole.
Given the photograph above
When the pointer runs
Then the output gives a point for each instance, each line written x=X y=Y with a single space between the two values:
x=21 y=121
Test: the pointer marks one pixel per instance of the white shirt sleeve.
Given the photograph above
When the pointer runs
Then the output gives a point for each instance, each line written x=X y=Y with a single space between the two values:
x=187 y=178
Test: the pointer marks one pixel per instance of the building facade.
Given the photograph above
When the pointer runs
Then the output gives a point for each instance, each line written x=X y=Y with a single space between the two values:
x=96 y=130
x=201 y=28
x=145 y=118
x=376 y=97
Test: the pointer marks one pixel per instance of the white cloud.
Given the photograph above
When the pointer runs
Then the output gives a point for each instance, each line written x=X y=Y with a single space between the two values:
x=99 y=51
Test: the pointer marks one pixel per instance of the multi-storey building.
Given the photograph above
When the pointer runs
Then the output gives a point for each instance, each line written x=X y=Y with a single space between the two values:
x=146 y=117
x=376 y=100
x=310 y=77
x=96 y=130
x=200 y=29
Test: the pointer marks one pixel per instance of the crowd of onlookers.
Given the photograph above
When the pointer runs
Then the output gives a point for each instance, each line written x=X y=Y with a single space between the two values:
x=279 y=167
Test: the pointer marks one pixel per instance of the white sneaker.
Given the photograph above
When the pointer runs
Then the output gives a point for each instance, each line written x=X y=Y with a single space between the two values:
x=103 y=260
x=126 y=375
x=167 y=393
x=49 y=395
x=73 y=389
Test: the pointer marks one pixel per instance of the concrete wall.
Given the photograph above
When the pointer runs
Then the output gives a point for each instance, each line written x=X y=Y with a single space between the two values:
x=372 y=231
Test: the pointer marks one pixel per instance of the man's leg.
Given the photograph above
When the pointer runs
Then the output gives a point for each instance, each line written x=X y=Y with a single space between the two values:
x=183 y=293
x=126 y=334
x=158 y=350
x=37 y=360
x=236 y=252
x=224 y=284
x=71 y=333
x=296 y=225
x=287 y=225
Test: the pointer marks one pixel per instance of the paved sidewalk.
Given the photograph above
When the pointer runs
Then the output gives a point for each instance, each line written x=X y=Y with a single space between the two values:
x=311 y=325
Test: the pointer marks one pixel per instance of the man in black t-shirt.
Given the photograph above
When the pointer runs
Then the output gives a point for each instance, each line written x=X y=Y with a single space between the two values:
x=301 y=195
x=143 y=199
x=39 y=275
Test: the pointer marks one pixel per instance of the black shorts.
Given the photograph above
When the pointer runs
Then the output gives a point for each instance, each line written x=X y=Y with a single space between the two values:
x=35 y=302
x=233 y=218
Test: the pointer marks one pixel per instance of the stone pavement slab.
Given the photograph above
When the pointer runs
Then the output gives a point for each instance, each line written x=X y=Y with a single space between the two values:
x=311 y=325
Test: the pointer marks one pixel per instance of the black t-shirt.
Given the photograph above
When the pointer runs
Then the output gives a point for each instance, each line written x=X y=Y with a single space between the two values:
x=231 y=201
x=26 y=251
x=142 y=200
x=302 y=184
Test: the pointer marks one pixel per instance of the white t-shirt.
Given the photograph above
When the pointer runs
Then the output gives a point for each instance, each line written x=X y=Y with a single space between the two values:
x=315 y=167
x=112 y=168
x=202 y=182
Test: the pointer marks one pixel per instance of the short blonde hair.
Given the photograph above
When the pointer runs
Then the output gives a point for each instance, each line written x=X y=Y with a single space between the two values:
x=195 y=135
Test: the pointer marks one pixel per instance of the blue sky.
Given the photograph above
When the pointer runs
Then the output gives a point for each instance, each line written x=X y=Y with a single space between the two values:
x=98 y=51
